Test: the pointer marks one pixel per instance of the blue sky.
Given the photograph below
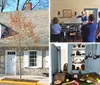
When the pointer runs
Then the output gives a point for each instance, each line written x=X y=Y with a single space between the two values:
x=11 y=5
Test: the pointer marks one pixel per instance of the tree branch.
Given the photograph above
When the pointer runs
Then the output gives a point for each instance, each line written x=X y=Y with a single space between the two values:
x=25 y=4
x=36 y=4
x=2 y=5
x=17 y=5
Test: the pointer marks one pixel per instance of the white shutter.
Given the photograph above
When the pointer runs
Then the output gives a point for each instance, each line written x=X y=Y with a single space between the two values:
x=47 y=59
x=26 y=58
x=39 y=59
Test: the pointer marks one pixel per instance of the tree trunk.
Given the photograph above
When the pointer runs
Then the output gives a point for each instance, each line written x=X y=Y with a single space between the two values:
x=17 y=5
x=2 y=5
x=19 y=55
x=20 y=67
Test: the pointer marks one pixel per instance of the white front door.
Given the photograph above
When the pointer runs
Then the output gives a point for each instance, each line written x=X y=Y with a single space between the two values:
x=11 y=62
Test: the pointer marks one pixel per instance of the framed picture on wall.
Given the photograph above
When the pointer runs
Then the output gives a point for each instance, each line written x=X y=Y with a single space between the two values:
x=67 y=13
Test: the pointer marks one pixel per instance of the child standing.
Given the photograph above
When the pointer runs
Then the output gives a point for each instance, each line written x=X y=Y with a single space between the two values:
x=89 y=30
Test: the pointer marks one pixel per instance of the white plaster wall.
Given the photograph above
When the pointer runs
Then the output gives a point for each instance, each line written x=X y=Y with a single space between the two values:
x=75 y=5
x=64 y=53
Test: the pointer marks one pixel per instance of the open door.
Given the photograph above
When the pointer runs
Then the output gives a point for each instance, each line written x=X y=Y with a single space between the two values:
x=92 y=11
x=55 y=61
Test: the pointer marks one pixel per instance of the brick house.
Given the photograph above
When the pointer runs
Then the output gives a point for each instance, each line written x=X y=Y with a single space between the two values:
x=34 y=59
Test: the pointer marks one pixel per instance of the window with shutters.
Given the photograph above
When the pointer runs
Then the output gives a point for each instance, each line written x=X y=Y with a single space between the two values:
x=33 y=58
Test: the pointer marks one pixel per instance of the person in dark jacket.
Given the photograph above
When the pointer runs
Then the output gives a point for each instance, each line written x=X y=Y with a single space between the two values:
x=89 y=30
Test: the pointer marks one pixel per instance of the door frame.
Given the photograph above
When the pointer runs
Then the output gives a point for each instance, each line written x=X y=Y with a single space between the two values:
x=96 y=21
x=6 y=60
x=58 y=48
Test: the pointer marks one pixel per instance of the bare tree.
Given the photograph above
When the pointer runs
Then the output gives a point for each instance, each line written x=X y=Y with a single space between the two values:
x=30 y=1
x=17 y=4
x=36 y=4
x=2 y=4
x=24 y=35
x=41 y=4
x=21 y=5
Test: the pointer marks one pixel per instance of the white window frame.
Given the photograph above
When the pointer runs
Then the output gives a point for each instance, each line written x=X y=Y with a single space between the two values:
x=29 y=59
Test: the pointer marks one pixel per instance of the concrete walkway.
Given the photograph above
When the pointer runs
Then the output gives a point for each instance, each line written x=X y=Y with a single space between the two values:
x=42 y=79
x=6 y=84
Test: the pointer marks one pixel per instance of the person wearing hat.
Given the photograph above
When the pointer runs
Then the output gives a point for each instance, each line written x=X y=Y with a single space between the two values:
x=84 y=17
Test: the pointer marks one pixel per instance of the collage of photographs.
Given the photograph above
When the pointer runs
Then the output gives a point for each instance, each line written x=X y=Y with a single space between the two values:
x=49 y=42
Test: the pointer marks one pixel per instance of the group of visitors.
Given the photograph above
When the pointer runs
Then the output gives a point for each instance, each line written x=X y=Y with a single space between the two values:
x=90 y=30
